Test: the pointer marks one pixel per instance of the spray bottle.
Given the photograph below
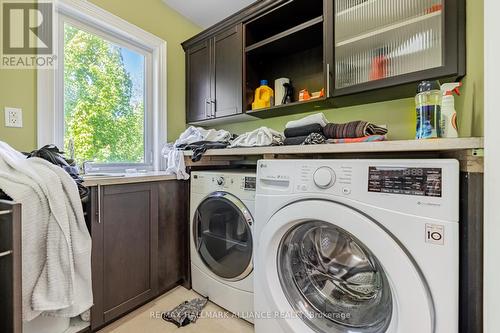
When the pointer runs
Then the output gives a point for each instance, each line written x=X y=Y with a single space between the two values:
x=448 y=123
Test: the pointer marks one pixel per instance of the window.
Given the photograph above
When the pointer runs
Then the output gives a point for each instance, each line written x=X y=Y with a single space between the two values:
x=105 y=102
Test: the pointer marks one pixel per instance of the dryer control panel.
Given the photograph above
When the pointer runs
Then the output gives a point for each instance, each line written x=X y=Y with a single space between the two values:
x=240 y=183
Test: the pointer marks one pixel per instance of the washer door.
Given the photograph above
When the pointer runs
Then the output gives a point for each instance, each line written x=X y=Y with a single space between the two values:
x=340 y=271
x=223 y=237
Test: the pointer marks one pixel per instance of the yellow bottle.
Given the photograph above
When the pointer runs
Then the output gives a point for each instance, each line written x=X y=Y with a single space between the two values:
x=263 y=96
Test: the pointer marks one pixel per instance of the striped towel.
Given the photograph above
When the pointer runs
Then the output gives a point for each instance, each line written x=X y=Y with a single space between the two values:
x=370 y=138
x=354 y=129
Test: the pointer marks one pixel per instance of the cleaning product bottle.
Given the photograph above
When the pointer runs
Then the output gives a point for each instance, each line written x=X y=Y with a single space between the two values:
x=448 y=123
x=264 y=96
x=428 y=103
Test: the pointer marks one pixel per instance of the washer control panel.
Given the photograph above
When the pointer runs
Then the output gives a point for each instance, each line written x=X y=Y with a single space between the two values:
x=324 y=177
x=424 y=187
x=314 y=178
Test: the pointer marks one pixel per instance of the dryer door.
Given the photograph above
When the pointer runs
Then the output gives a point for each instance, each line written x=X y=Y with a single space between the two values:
x=340 y=271
x=223 y=237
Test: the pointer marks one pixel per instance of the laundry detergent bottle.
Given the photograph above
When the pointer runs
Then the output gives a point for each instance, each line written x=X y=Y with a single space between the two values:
x=264 y=96
x=428 y=106
x=448 y=123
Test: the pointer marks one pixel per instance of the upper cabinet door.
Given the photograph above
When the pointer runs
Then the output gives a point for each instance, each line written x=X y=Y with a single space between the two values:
x=382 y=43
x=198 y=65
x=227 y=74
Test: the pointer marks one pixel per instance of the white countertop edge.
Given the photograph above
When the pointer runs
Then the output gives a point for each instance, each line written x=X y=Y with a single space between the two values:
x=153 y=176
x=363 y=147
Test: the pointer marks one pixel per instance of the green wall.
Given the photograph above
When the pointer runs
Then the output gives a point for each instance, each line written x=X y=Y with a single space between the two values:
x=399 y=115
x=18 y=87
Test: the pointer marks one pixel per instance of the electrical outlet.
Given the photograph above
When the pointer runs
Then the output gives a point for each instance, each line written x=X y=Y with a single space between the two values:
x=13 y=117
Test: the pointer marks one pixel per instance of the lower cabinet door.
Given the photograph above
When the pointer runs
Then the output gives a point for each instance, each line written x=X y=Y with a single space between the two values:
x=173 y=235
x=125 y=246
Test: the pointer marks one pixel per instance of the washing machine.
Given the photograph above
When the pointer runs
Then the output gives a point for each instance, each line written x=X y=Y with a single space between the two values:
x=358 y=246
x=222 y=219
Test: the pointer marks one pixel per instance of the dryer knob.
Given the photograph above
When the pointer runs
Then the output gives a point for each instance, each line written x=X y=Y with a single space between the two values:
x=220 y=181
x=324 y=177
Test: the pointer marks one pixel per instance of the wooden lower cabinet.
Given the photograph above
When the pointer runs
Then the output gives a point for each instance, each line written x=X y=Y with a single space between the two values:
x=173 y=235
x=129 y=266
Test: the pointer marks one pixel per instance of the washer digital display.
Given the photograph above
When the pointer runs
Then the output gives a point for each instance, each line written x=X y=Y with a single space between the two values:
x=407 y=181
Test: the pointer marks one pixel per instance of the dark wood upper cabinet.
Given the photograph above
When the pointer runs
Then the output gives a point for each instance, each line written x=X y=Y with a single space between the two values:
x=357 y=51
x=381 y=52
x=227 y=72
x=198 y=66
x=214 y=76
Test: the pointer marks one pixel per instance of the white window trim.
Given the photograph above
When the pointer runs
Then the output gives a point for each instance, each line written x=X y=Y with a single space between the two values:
x=49 y=105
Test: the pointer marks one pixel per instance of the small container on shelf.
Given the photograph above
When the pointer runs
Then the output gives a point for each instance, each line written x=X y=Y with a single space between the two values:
x=264 y=96
x=428 y=107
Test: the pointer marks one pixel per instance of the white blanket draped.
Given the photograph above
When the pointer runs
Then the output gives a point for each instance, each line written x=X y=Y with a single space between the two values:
x=56 y=244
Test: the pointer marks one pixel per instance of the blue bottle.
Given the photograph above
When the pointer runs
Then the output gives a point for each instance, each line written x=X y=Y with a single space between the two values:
x=428 y=106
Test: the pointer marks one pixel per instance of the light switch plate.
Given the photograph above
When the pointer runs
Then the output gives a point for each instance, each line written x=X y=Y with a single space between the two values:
x=13 y=117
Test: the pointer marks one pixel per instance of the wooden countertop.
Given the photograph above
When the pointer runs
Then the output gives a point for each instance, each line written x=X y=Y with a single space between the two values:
x=436 y=145
x=153 y=176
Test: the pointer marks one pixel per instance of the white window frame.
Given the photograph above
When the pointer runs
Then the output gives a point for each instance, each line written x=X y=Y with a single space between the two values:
x=91 y=18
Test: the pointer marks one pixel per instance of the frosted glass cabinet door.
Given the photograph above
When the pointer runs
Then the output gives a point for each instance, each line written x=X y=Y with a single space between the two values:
x=381 y=39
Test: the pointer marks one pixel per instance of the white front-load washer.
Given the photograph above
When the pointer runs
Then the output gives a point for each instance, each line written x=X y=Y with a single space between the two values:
x=358 y=246
x=222 y=210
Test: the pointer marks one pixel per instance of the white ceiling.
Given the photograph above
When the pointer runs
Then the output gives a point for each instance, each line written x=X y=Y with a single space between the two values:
x=207 y=12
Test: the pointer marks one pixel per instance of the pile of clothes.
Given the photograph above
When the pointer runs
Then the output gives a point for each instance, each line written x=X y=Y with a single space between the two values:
x=315 y=129
x=199 y=140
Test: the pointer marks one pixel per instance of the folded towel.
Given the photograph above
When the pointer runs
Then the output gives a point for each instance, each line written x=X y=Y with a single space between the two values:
x=296 y=140
x=258 y=138
x=303 y=130
x=370 y=138
x=354 y=129
x=311 y=139
x=317 y=118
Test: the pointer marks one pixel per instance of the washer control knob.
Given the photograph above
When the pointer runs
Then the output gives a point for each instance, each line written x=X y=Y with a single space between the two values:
x=220 y=181
x=324 y=177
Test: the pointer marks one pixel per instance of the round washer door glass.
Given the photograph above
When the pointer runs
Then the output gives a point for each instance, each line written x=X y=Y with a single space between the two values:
x=223 y=237
x=332 y=280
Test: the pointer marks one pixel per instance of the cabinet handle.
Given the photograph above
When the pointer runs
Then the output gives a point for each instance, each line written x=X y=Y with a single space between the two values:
x=213 y=108
x=99 y=204
x=328 y=80
x=5 y=212
x=4 y=254
x=207 y=102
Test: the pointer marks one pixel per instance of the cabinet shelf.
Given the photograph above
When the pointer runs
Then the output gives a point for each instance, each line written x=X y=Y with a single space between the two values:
x=311 y=105
x=387 y=29
x=371 y=15
x=287 y=33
